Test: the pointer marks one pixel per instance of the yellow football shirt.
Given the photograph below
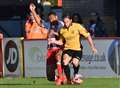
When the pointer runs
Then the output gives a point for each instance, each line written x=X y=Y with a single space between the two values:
x=72 y=35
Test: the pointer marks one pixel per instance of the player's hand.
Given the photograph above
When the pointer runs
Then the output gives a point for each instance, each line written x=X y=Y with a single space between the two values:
x=51 y=40
x=94 y=50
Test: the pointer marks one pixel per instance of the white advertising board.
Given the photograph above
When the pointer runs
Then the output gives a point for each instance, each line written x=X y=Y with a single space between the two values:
x=105 y=63
x=35 y=58
x=12 y=57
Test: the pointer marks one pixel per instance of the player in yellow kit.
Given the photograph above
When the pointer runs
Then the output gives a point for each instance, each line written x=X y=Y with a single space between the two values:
x=70 y=34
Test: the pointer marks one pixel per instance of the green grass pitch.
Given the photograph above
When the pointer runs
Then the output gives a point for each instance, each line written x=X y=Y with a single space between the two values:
x=44 y=83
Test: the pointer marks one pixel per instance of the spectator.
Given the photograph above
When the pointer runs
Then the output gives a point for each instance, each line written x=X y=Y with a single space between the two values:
x=46 y=8
x=96 y=26
x=33 y=30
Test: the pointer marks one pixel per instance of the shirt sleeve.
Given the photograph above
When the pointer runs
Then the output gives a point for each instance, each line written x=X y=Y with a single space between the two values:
x=83 y=31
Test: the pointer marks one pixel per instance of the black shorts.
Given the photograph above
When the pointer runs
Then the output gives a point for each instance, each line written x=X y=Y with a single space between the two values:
x=73 y=53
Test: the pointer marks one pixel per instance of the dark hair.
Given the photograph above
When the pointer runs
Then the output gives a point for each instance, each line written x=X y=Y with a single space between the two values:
x=52 y=13
x=67 y=15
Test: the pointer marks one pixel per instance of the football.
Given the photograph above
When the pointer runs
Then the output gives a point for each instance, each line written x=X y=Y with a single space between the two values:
x=77 y=79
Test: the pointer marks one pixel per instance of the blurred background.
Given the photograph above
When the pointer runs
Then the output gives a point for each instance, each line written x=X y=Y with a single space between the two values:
x=13 y=13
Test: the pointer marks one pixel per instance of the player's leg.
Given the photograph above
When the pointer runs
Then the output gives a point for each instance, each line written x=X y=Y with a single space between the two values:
x=58 y=58
x=50 y=72
x=76 y=78
x=76 y=65
x=77 y=55
x=66 y=60
x=50 y=65
x=59 y=67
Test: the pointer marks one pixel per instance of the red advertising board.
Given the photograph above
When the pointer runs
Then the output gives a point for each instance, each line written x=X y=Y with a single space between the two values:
x=59 y=3
x=1 y=59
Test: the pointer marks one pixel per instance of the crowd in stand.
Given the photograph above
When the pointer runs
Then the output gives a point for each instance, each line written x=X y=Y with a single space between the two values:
x=95 y=24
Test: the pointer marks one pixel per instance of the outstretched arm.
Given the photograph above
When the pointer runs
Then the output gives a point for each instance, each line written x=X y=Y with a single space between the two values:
x=36 y=17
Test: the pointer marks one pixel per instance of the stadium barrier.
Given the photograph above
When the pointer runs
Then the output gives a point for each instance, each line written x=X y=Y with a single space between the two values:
x=30 y=59
x=12 y=57
x=35 y=52
x=106 y=63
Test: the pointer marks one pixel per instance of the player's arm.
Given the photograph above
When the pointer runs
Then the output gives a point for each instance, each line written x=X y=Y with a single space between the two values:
x=92 y=46
x=86 y=34
x=36 y=17
x=53 y=40
x=58 y=42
